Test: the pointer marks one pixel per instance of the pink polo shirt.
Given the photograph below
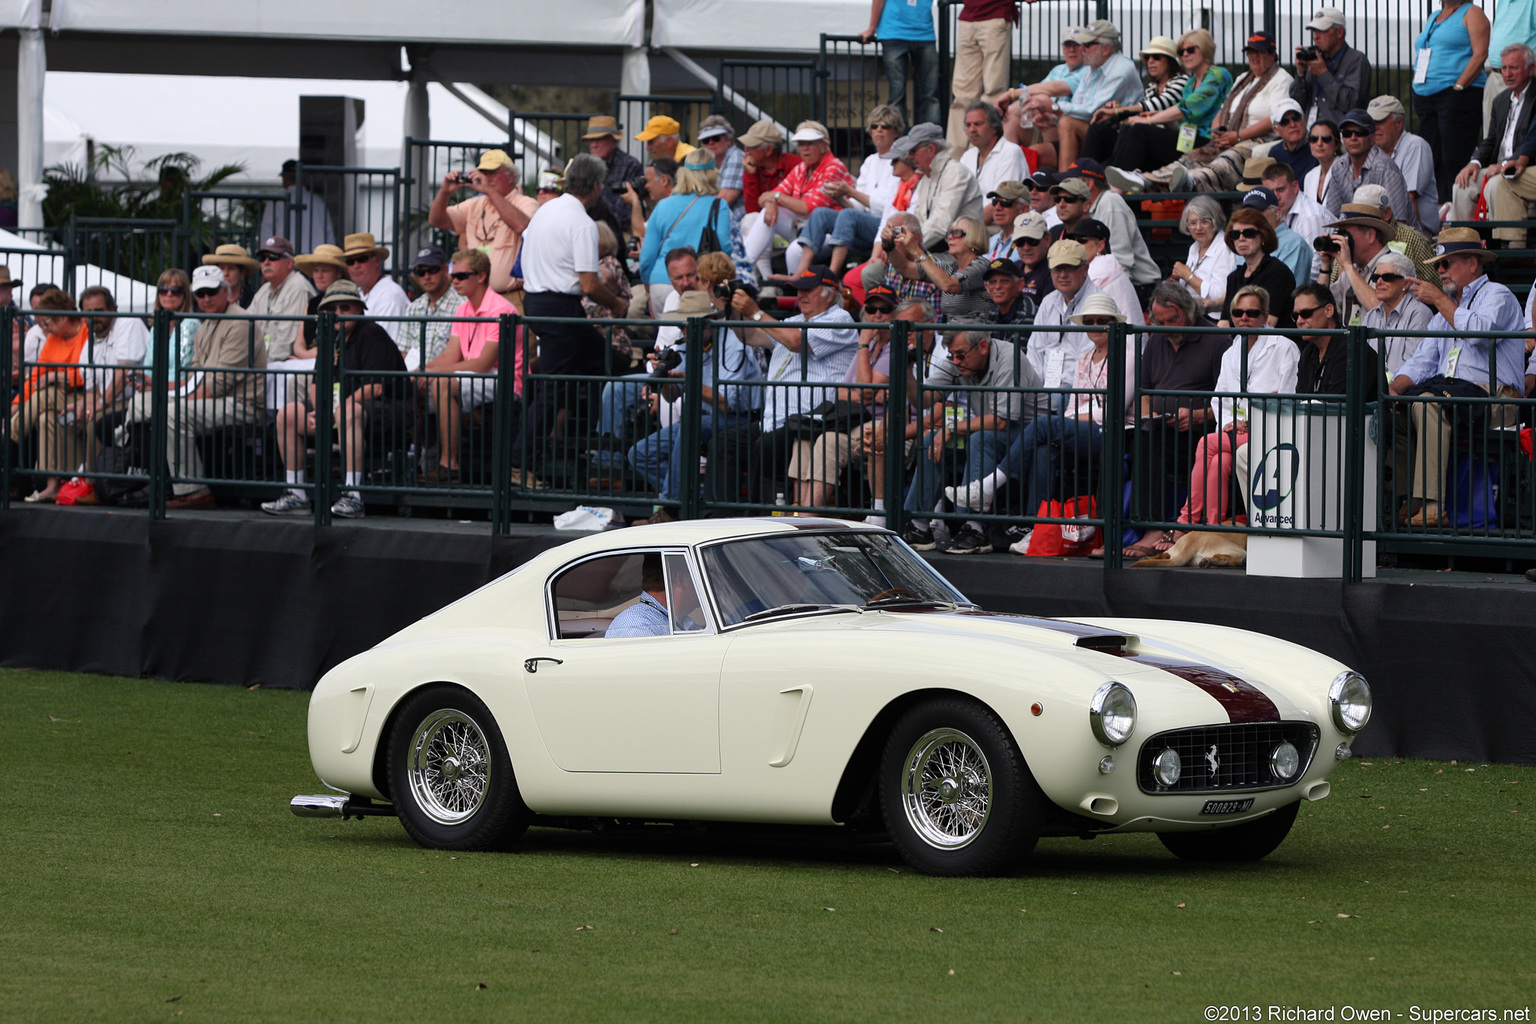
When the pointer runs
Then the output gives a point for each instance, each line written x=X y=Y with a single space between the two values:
x=472 y=337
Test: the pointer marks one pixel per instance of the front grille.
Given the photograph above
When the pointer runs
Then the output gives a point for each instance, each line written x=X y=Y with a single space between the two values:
x=1241 y=756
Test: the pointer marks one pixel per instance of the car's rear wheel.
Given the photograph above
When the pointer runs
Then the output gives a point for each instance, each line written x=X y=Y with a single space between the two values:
x=450 y=776
x=1250 y=841
x=955 y=792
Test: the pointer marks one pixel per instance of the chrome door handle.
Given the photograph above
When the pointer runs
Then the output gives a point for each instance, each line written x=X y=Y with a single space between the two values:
x=532 y=664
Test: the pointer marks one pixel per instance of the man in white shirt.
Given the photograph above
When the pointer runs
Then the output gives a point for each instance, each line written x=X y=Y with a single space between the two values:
x=381 y=295
x=116 y=342
x=1412 y=156
x=560 y=261
x=991 y=158
x=1054 y=354
x=282 y=293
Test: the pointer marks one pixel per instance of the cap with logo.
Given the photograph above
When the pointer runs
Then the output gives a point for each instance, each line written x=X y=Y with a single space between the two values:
x=1066 y=253
x=277 y=245
x=1101 y=31
x=1029 y=226
x=1259 y=41
x=880 y=294
x=1002 y=266
x=1325 y=19
x=207 y=278
x=1283 y=106
x=430 y=256
x=814 y=277
x=1371 y=195
x=1361 y=118
x=1261 y=198
x=1086 y=167
x=1383 y=107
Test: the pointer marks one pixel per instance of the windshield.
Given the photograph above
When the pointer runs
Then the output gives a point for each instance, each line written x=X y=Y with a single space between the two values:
x=806 y=571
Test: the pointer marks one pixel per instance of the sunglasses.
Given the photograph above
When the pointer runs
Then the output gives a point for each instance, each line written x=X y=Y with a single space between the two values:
x=1356 y=133
x=1245 y=232
x=882 y=126
x=1444 y=264
x=1005 y=202
x=1318 y=139
x=1389 y=278
x=269 y=257
x=427 y=271
x=172 y=289
x=955 y=233
x=1185 y=51
x=207 y=293
x=1097 y=321
x=1246 y=314
x=353 y=261
x=1305 y=314
x=1068 y=199
x=1291 y=117
x=462 y=275
x=879 y=307
x=1079 y=239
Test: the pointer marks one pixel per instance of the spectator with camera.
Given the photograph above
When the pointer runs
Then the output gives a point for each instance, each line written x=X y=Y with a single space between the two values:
x=1331 y=76
x=658 y=179
x=493 y=221
x=728 y=389
x=957 y=273
x=882 y=269
x=1354 y=244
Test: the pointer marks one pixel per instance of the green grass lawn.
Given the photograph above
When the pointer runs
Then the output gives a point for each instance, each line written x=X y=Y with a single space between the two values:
x=150 y=871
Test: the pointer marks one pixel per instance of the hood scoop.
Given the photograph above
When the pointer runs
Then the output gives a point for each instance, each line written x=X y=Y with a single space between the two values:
x=1108 y=643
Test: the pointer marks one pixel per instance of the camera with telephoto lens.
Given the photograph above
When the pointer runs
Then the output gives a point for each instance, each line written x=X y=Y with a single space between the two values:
x=667 y=360
x=1322 y=243
x=1306 y=53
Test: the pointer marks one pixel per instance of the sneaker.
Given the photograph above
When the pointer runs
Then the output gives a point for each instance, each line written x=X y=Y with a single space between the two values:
x=1128 y=182
x=1010 y=537
x=290 y=504
x=348 y=506
x=1021 y=546
x=661 y=515
x=969 y=542
x=1178 y=179
x=972 y=496
x=918 y=539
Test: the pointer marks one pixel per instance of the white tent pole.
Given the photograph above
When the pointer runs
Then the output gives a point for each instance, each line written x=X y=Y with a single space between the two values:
x=31 y=70
x=735 y=98
x=635 y=80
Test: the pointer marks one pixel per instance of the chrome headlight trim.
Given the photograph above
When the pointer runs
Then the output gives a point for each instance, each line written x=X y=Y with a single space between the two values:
x=1112 y=714
x=1285 y=761
x=1349 y=699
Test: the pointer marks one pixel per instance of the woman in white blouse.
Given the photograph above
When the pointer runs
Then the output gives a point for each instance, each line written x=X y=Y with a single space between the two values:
x=1204 y=271
x=1272 y=364
x=1323 y=137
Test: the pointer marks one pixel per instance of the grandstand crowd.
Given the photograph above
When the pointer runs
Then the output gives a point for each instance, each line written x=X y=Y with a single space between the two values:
x=1011 y=232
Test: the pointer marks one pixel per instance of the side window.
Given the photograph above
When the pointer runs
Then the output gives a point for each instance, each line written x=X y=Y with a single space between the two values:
x=590 y=595
x=683 y=603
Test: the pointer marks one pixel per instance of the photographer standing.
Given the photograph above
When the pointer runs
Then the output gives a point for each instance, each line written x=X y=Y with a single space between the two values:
x=493 y=221
x=1331 y=76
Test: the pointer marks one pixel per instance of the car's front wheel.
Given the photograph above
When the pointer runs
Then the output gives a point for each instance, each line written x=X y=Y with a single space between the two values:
x=1250 y=841
x=955 y=792
x=450 y=776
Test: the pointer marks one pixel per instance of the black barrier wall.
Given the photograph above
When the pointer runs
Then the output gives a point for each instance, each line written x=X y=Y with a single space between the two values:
x=245 y=602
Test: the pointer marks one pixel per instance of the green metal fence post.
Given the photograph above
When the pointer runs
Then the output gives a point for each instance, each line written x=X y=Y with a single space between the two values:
x=329 y=341
x=1354 y=455
x=895 y=426
x=693 y=414
x=505 y=413
x=1112 y=448
x=7 y=372
x=159 y=411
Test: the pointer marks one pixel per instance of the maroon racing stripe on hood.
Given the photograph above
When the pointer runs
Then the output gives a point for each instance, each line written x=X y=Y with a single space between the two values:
x=1243 y=701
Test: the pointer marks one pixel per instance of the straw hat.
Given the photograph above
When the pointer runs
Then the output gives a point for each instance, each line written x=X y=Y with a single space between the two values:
x=691 y=304
x=1098 y=304
x=1457 y=241
x=324 y=255
x=5 y=277
x=601 y=126
x=342 y=291
x=1365 y=215
x=1161 y=45
x=231 y=254
x=361 y=244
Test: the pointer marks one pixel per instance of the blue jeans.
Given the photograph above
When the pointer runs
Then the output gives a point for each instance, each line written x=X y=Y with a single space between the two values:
x=619 y=397
x=1039 y=449
x=660 y=458
x=853 y=228
x=984 y=450
x=925 y=77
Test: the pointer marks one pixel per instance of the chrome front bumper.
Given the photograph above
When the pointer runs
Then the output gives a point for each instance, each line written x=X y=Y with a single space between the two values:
x=338 y=805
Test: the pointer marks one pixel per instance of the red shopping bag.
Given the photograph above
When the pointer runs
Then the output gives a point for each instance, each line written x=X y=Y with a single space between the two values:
x=1054 y=540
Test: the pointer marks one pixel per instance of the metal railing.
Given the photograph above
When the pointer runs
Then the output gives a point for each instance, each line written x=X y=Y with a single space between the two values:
x=720 y=433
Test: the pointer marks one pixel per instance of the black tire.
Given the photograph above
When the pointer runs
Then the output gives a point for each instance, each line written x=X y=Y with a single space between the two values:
x=1251 y=841
x=450 y=776
x=986 y=821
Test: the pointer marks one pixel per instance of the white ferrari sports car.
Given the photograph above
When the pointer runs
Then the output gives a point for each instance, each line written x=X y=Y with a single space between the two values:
x=793 y=671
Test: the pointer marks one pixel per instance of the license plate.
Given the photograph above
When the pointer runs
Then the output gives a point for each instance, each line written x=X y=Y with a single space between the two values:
x=1226 y=806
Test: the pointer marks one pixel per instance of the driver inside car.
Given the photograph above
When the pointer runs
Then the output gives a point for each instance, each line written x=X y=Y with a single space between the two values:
x=649 y=615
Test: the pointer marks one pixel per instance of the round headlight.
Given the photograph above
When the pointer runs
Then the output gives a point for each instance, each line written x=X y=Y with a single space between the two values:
x=1284 y=760
x=1167 y=767
x=1112 y=713
x=1350 y=697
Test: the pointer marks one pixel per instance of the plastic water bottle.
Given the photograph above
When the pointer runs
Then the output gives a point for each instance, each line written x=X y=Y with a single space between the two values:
x=780 y=503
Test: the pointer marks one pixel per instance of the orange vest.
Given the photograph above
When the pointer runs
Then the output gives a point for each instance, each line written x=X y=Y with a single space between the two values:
x=58 y=350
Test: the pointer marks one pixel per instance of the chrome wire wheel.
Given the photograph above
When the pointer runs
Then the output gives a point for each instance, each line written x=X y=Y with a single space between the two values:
x=448 y=766
x=946 y=789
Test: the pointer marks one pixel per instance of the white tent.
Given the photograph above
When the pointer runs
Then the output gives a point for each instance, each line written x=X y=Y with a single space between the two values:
x=33 y=264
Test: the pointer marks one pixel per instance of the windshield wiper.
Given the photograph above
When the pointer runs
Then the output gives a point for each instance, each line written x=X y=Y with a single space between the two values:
x=792 y=609
x=902 y=601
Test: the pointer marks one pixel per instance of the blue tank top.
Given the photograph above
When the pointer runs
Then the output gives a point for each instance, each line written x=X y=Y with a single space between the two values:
x=1450 y=48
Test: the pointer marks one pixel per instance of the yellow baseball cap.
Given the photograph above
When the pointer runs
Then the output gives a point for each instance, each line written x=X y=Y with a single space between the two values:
x=659 y=125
